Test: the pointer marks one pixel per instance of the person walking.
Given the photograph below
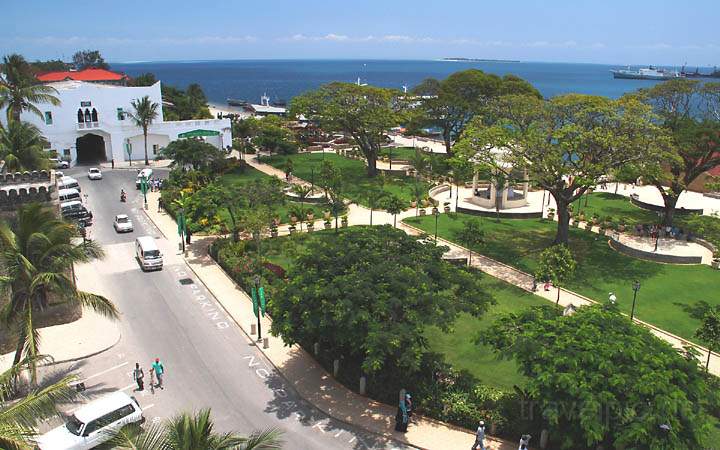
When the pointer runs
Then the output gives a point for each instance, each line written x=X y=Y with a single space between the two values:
x=112 y=163
x=138 y=376
x=159 y=370
x=479 y=437
x=152 y=379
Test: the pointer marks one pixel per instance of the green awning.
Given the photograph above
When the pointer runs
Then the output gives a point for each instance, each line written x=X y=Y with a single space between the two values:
x=198 y=133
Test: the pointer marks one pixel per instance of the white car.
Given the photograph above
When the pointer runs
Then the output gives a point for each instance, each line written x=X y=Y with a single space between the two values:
x=122 y=224
x=93 y=424
x=59 y=163
x=94 y=174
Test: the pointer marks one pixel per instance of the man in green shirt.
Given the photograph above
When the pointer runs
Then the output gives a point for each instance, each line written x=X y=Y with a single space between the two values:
x=159 y=370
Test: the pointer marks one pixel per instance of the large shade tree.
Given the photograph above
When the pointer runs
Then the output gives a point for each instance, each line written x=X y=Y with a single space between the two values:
x=569 y=143
x=21 y=91
x=37 y=253
x=688 y=111
x=192 y=153
x=144 y=113
x=597 y=379
x=451 y=103
x=369 y=294
x=363 y=112
x=22 y=147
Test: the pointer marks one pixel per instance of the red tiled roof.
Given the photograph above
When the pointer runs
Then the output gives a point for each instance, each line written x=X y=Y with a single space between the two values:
x=82 y=75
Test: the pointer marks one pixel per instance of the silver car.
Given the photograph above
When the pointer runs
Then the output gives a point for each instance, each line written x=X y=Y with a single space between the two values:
x=122 y=223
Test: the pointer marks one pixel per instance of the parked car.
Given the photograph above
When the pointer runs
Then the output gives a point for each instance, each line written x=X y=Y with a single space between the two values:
x=122 y=223
x=59 y=163
x=147 y=173
x=68 y=183
x=93 y=424
x=94 y=174
x=75 y=210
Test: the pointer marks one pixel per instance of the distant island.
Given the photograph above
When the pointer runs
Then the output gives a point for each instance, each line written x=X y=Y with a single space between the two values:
x=480 y=60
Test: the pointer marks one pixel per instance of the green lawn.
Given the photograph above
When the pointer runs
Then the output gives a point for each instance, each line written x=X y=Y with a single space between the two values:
x=250 y=174
x=480 y=360
x=667 y=291
x=401 y=153
x=457 y=345
x=604 y=204
x=307 y=167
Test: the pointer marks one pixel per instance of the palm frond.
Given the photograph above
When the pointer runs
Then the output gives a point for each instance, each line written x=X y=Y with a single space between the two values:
x=135 y=437
x=269 y=439
x=98 y=303
x=39 y=404
x=15 y=437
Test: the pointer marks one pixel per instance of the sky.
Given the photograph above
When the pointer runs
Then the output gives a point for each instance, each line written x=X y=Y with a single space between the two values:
x=612 y=32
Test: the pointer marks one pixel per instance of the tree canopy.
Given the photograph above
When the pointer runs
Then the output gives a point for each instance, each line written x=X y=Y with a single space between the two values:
x=369 y=293
x=569 y=143
x=192 y=152
x=363 y=112
x=84 y=59
x=688 y=111
x=22 y=147
x=454 y=101
x=598 y=379
x=20 y=90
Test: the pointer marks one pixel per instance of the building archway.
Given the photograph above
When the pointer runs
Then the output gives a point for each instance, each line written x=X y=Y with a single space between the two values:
x=90 y=149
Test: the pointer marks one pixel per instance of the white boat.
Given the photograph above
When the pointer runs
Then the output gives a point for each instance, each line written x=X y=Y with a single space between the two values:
x=650 y=73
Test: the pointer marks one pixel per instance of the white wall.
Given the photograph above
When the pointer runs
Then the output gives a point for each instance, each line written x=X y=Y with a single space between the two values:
x=106 y=99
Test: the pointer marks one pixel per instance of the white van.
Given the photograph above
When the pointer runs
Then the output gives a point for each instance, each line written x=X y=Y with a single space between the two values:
x=148 y=254
x=68 y=195
x=93 y=424
x=147 y=173
x=68 y=183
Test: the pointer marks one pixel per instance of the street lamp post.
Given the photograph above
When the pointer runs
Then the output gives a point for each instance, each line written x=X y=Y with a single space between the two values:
x=657 y=231
x=256 y=304
x=181 y=227
x=636 y=288
x=436 y=213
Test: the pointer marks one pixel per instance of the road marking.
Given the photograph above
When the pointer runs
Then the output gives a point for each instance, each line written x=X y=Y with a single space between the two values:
x=104 y=372
x=128 y=386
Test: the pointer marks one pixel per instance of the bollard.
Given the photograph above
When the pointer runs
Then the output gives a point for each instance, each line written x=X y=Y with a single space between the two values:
x=363 y=385
x=316 y=348
x=544 y=436
x=266 y=342
x=336 y=367
x=253 y=328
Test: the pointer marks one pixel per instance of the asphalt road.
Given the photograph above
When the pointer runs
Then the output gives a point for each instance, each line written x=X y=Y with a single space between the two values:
x=209 y=361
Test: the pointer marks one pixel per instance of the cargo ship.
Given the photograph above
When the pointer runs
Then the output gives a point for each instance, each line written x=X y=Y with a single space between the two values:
x=650 y=73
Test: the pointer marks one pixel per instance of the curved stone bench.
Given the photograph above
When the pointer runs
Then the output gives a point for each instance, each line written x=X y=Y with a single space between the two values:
x=649 y=206
x=652 y=256
x=503 y=214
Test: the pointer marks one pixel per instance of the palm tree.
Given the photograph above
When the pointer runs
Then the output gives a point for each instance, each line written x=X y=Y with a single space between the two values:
x=374 y=198
x=37 y=254
x=19 y=89
x=21 y=413
x=21 y=147
x=302 y=191
x=394 y=205
x=146 y=111
x=193 y=432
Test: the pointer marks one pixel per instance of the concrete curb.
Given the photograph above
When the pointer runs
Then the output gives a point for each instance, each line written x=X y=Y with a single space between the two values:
x=89 y=355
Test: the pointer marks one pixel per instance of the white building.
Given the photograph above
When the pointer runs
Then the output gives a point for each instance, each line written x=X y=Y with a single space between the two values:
x=91 y=123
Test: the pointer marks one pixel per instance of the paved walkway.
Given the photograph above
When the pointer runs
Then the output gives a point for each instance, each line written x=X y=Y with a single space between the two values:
x=137 y=164
x=89 y=335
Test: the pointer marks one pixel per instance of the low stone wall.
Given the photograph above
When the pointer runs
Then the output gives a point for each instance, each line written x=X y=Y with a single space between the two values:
x=12 y=196
x=635 y=200
x=652 y=256
x=36 y=176
x=503 y=214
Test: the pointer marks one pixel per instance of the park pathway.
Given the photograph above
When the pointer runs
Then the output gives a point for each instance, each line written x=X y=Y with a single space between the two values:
x=360 y=215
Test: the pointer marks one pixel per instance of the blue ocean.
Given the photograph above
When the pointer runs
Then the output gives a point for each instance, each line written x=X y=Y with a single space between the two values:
x=284 y=79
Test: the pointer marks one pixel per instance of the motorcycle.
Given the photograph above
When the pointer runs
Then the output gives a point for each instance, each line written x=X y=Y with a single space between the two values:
x=123 y=197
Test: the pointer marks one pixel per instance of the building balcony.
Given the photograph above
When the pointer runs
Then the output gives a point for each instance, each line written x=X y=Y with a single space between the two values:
x=87 y=125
